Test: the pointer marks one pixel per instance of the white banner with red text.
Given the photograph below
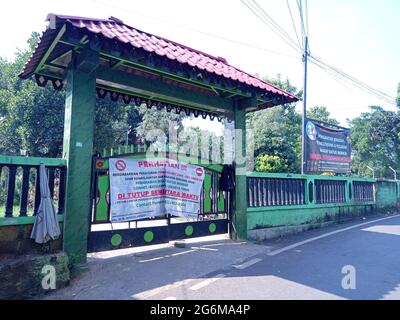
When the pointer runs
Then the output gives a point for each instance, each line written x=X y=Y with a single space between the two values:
x=143 y=188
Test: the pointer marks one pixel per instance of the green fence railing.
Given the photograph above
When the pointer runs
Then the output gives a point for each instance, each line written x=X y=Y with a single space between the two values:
x=20 y=187
x=277 y=189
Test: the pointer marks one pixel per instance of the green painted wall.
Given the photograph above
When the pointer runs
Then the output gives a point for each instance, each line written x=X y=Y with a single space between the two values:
x=16 y=240
x=297 y=215
x=387 y=195
x=14 y=233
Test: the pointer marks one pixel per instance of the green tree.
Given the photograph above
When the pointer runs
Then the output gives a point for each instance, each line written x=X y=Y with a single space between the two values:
x=157 y=125
x=321 y=113
x=376 y=142
x=398 y=96
x=277 y=131
x=195 y=139
x=267 y=163
x=115 y=123
x=32 y=117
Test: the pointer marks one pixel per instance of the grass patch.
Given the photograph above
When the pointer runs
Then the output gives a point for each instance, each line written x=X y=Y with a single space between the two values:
x=15 y=211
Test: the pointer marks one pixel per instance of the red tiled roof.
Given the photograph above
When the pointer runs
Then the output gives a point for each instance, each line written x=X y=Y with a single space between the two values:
x=115 y=29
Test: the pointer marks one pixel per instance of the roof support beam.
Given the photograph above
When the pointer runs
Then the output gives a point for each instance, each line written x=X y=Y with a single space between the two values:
x=88 y=60
x=54 y=65
x=137 y=63
x=117 y=64
x=248 y=103
x=51 y=48
x=160 y=89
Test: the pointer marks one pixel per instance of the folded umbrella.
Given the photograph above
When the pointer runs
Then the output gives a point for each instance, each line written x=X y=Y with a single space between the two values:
x=46 y=225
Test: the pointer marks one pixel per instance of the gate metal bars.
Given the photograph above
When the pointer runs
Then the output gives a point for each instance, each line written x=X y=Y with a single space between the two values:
x=104 y=235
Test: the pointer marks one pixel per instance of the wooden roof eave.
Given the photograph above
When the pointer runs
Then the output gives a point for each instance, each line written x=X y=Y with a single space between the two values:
x=158 y=88
x=222 y=104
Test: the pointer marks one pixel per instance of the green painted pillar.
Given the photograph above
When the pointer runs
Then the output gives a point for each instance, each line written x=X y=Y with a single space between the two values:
x=77 y=150
x=239 y=219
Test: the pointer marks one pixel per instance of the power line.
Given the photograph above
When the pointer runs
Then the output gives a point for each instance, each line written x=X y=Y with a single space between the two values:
x=350 y=80
x=196 y=30
x=294 y=25
x=274 y=23
x=270 y=23
x=345 y=83
x=355 y=82
x=333 y=75
x=306 y=14
x=303 y=29
x=306 y=22
x=335 y=72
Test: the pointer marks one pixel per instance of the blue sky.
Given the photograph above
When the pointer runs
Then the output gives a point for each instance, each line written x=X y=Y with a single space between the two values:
x=361 y=37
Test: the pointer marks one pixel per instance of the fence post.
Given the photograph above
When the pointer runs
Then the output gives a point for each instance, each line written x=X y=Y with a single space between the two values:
x=12 y=170
x=349 y=185
x=24 y=191
x=312 y=191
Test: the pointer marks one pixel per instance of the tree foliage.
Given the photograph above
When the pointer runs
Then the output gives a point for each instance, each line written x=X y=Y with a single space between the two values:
x=198 y=141
x=267 y=163
x=376 y=142
x=32 y=117
x=321 y=113
x=277 y=132
x=158 y=125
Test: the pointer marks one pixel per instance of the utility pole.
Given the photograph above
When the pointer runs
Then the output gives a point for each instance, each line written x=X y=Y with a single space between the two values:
x=303 y=137
x=394 y=171
x=127 y=138
x=373 y=171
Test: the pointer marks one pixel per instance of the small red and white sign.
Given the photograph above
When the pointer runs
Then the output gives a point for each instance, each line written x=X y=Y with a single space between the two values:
x=199 y=171
x=100 y=164
x=120 y=165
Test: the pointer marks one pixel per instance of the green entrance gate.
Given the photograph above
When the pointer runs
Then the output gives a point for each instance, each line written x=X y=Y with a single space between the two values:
x=104 y=235
x=111 y=58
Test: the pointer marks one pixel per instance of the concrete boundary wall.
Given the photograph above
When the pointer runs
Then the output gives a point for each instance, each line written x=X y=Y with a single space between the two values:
x=271 y=221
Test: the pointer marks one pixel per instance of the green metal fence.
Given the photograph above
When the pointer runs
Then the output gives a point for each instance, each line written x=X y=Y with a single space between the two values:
x=212 y=219
x=277 y=189
x=280 y=203
x=20 y=187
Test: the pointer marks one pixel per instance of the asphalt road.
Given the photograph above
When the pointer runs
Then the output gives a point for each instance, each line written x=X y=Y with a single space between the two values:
x=311 y=265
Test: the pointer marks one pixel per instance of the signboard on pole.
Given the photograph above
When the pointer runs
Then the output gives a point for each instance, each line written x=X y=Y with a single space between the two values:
x=143 y=188
x=327 y=149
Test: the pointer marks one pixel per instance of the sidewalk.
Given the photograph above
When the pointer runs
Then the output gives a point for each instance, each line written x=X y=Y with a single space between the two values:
x=140 y=273
x=164 y=271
